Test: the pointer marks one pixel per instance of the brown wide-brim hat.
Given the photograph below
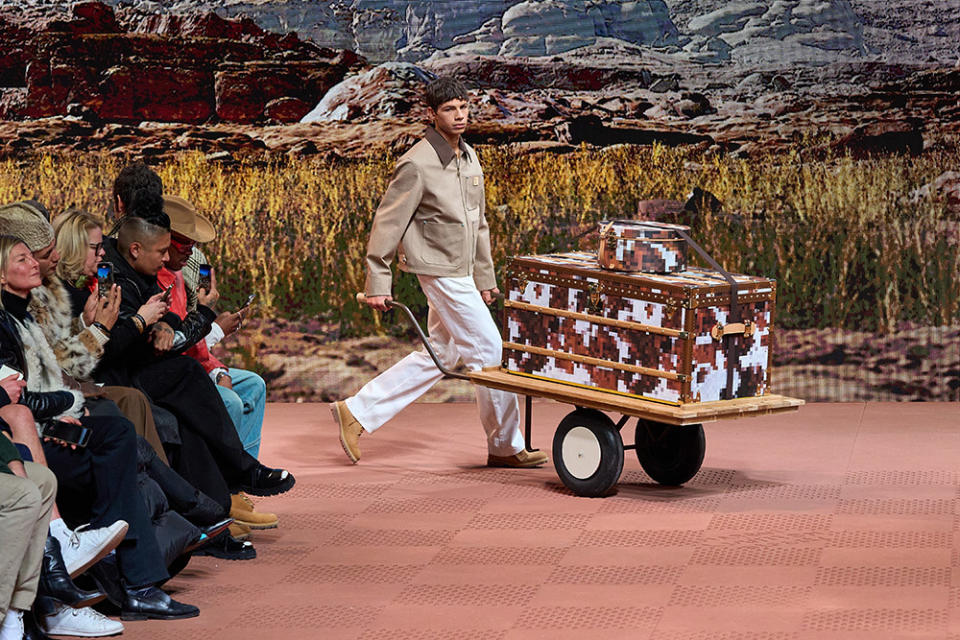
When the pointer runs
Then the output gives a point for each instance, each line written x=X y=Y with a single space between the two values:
x=185 y=220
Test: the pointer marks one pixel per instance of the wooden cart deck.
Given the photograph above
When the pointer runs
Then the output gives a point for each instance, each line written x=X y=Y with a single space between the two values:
x=694 y=413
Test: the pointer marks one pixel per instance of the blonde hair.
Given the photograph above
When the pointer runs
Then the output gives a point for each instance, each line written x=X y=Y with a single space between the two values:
x=7 y=243
x=72 y=230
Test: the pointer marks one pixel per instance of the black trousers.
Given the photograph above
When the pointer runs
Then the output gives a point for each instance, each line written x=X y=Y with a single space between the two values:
x=210 y=456
x=98 y=484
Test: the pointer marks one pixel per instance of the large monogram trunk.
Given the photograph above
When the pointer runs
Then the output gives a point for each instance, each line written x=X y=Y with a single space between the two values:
x=675 y=338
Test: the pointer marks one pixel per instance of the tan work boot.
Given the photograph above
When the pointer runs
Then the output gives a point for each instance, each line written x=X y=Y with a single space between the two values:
x=239 y=531
x=350 y=430
x=521 y=460
x=243 y=512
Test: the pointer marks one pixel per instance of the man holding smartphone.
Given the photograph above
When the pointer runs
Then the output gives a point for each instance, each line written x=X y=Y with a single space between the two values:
x=244 y=393
x=432 y=218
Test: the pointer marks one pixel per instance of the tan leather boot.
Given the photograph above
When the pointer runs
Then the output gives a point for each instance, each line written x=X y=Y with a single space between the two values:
x=350 y=430
x=243 y=512
x=521 y=460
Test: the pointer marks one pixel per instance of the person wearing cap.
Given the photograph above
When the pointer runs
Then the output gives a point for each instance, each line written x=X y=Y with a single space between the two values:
x=243 y=392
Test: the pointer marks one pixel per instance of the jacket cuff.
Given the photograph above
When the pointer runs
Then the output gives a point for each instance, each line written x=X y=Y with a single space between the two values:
x=215 y=336
x=171 y=319
x=76 y=408
x=208 y=314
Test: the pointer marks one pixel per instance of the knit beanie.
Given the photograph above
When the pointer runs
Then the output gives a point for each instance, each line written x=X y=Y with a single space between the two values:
x=24 y=221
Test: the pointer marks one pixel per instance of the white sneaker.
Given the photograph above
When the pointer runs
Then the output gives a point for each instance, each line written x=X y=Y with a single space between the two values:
x=12 y=625
x=82 y=548
x=83 y=622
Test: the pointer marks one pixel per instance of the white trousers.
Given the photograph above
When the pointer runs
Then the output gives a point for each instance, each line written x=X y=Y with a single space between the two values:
x=460 y=326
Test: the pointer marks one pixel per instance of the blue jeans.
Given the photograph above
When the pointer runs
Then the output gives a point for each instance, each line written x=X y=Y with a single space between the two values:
x=246 y=404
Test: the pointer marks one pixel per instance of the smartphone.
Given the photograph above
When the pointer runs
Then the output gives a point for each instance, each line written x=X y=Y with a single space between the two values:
x=166 y=293
x=104 y=278
x=67 y=432
x=204 y=280
x=249 y=301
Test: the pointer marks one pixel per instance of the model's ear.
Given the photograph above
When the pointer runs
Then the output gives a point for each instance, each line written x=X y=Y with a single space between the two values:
x=119 y=208
x=135 y=249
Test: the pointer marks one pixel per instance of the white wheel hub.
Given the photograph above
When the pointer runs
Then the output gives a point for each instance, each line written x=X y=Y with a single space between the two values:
x=581 y=453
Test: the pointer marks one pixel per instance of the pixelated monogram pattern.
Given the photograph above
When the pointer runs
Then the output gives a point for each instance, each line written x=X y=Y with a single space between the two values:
x=632 y=246
x=708 y=364
x=709 y=367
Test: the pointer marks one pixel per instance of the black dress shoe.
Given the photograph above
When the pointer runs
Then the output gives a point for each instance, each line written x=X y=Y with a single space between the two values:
x=264 y=481
x=207 y=534
x=55 y=585
x=31 y=628
x=153 y=604
x=227 y=547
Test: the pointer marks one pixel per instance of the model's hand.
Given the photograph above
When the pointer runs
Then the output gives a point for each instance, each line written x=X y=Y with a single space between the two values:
x=489 y=295
x=226 y=382
x=13 y=387
x=378 y=302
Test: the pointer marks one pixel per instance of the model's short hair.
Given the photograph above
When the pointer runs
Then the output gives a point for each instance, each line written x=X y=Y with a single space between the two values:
x=444 y=89
x=136 y=179
x=133 y=229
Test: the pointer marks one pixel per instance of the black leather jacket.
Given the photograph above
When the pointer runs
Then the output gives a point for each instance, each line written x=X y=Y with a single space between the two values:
x=43 y=404
x=128 y=350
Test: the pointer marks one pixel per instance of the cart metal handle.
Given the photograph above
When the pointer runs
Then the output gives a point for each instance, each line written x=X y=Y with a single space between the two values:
x=447 y=373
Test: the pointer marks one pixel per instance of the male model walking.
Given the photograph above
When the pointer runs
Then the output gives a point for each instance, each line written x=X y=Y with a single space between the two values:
x=432 y=219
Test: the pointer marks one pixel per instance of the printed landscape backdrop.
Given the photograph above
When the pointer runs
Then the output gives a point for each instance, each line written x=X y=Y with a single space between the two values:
x=813 y=141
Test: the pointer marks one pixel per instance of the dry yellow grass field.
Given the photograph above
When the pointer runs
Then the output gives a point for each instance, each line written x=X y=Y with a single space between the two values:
x=845 y=241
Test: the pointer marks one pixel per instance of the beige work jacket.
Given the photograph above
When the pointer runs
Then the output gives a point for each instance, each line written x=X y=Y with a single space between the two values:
x=432 y=217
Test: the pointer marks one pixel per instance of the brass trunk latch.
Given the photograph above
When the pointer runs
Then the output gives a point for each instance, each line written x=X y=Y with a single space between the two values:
x=747 y=328
x=594 y=301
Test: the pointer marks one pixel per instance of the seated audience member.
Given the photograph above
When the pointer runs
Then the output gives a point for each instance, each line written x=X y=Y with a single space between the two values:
x=243 y=392
x=61 y=607
x=134 y=182
x=27 y=493
x=98 y=480
x=143 y=354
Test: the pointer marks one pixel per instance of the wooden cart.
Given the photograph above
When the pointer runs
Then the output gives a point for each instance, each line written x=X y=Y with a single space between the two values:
x=588 y=450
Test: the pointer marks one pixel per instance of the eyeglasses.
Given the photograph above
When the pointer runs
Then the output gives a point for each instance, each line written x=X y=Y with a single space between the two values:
x=96 y=247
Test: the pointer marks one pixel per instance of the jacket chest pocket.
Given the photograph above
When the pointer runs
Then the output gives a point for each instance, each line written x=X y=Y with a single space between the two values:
x=443 y=243
x=473 y=191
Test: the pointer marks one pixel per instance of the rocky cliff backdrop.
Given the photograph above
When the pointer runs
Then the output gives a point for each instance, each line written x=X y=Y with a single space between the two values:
x=337 y=79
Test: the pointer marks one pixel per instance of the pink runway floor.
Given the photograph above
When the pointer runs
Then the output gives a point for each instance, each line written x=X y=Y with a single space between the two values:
x=838 y=521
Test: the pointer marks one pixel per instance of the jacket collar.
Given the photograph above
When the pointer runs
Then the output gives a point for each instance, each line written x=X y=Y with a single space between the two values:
x=442 y=147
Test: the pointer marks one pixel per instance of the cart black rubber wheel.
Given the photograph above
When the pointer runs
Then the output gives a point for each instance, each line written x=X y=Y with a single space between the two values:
x=588 y=453
x=670 y=454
